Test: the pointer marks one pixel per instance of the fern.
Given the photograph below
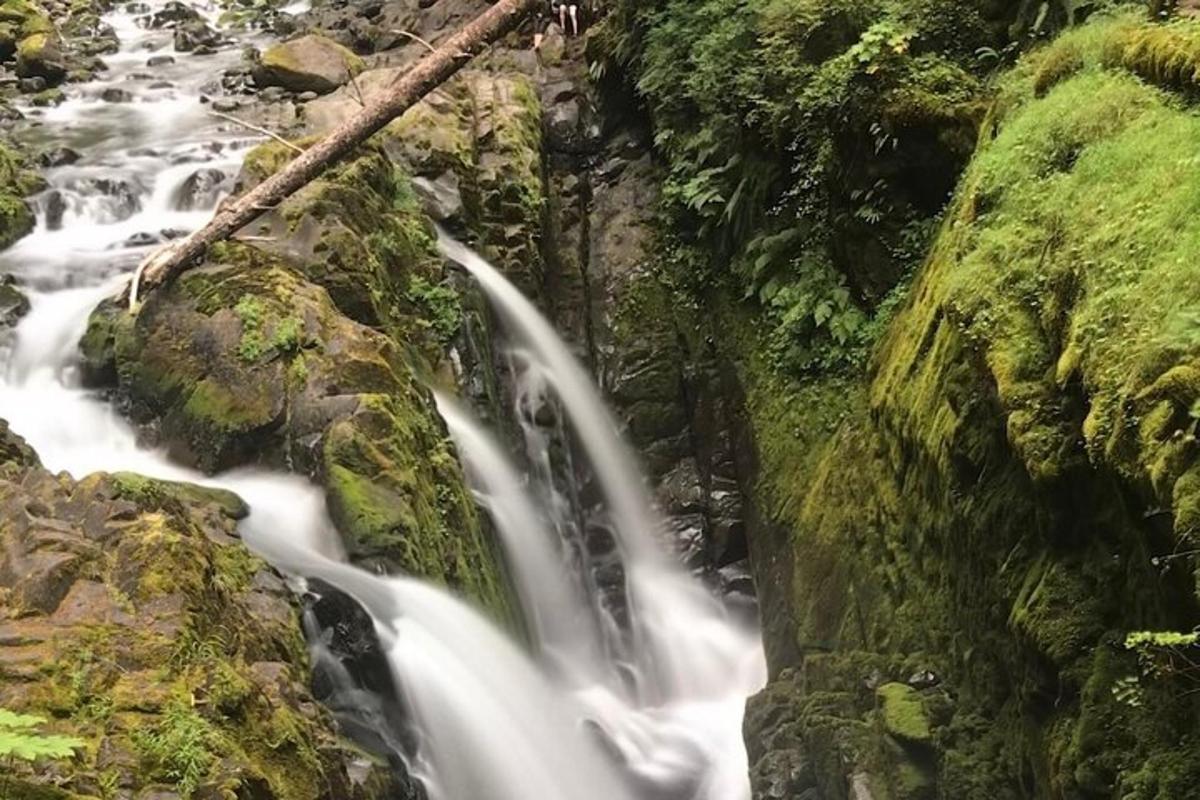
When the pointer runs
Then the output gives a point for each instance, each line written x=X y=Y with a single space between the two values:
x=19 y=738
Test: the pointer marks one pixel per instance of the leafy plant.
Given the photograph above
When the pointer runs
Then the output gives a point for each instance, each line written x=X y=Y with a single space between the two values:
x=1162 y=656
x=879 y=43
x=180 y=748
x=440 y=304
x=20 y=738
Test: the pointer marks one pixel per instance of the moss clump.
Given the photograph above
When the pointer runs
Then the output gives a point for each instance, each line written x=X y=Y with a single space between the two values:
x=903 y=714
x=16 y=219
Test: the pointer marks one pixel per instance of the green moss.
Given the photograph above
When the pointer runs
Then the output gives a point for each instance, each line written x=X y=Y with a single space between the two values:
x=395 y=490
x=16 y=219
x=903 y=714
x=282 y=56
x=211 y=404
x=155 y=493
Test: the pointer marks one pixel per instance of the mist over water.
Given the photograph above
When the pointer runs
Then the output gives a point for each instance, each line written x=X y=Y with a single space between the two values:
x=595 y=708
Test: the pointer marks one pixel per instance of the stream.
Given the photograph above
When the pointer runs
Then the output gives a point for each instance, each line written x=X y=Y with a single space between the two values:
x=597 y=705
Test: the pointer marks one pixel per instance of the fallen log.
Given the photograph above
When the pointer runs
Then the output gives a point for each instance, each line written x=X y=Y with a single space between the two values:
x=427 y=74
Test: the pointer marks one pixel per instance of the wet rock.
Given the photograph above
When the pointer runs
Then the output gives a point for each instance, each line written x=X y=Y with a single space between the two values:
x=32 y=85
x=58 y=156
x=199 y=190
x=563 y=127
x=140 y=239
x=41 y=56
x=272 y=94
x=54 y=208
x=93 y=37
x=159 y=61
x=50 y=97
x=161 y=85
x=441 y=198
x=123 y=197
x=311 y=63
x=173 y=14
x=196 y=36
x=225 y=105
x=114 y=95
x=13 y=302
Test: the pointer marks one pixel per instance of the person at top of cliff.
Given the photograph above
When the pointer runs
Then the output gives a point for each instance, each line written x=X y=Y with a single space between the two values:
x=566 y=8
x=562 y=9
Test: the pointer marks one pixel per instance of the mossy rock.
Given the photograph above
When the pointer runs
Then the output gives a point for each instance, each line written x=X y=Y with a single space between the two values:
x=903 y=714
x=358 y=232
x=40 y=55
x=311 y=63
x=486 y=129
x=145 y=628
x=16 y=181
x=243 y=360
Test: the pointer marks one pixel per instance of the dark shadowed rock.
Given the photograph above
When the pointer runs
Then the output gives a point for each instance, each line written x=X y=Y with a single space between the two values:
x=199 y=190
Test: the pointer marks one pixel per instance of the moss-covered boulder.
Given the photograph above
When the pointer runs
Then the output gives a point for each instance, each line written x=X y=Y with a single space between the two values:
x=133 y=619
x=40 y=55
x=312 y=63
x=249 y=359
x=1012 y=491
x=20 y=19
x=16 y=181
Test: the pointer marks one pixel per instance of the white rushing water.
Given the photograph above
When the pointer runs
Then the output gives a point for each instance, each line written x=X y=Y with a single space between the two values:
x=577 y=717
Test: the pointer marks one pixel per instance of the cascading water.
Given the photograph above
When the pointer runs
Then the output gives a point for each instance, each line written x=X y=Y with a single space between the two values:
x=491 y=722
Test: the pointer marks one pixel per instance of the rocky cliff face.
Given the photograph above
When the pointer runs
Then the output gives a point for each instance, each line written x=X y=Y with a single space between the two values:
x=974 y=553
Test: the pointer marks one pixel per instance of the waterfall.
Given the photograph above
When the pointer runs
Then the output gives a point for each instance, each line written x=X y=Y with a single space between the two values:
x=687 y=646
x=492 y=722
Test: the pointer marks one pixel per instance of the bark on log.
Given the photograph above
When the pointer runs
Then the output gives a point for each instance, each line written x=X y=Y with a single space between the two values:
x=430 y=72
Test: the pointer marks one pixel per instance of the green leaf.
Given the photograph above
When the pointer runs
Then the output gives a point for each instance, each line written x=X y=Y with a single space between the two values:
x=9 y=719
x=32 y=746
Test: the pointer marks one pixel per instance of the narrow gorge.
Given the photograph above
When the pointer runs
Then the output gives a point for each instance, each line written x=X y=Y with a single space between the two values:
x=728 y=400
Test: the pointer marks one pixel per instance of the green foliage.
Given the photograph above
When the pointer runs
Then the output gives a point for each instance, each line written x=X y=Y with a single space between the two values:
x=439 y=304
x=788 y=129
x=1167 y=654
x=880 y=43
x=181 y=748
x=19 y=738
x=288 y=335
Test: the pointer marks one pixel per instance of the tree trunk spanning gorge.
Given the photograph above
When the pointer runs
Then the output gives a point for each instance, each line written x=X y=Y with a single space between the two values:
x=430 y=72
